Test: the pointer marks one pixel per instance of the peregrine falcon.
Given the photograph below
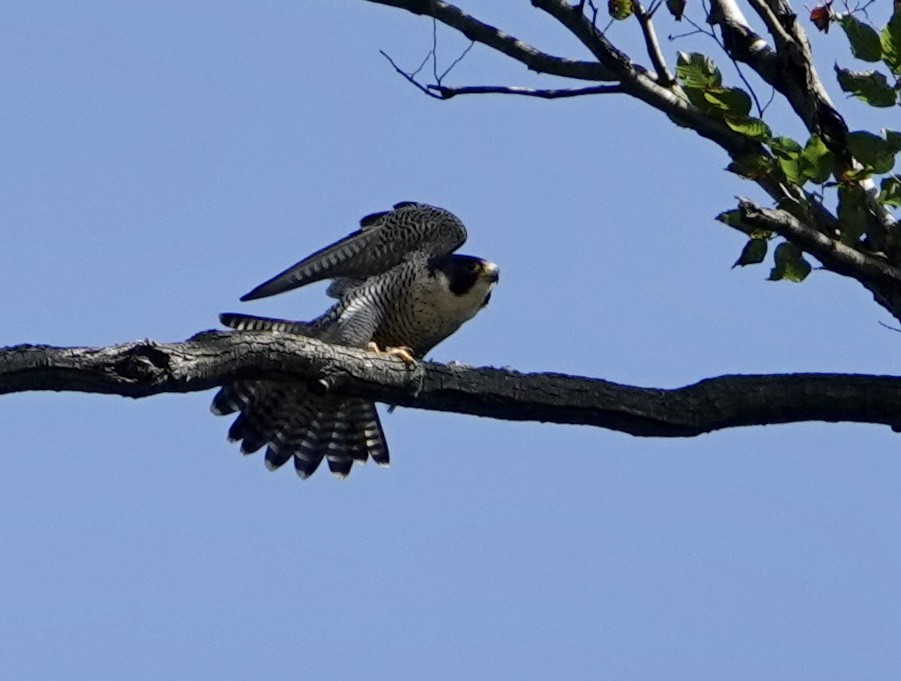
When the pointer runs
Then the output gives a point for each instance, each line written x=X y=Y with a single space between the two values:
x=400 y=289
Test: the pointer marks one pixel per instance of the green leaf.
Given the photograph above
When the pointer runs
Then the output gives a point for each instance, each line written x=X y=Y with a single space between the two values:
x=676 y=8
x=703 y=85
x=865 y=42
x=872 y=151
x=817 y=161
x=852 y=213
x=870 y=86
x=890 y=191
x=790 y=264
x=731 y=100
x=784 y=146
x=697 y=72
x=788 y=155
x=893 y=139
x=733 y=219
x=619 y=9
x=754 y=252
x=891 y=44
x=752 y=127
x=752 y=166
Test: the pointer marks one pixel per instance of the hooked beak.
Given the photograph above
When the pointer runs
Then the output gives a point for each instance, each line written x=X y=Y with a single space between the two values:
x=491 y=272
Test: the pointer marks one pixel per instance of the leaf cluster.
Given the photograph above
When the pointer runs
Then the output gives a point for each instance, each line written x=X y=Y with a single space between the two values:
x=810 y=168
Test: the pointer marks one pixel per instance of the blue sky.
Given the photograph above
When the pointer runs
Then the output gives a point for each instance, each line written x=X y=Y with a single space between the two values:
x=160 y=159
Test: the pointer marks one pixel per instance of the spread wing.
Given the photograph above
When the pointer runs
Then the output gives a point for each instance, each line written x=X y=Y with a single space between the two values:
x=383 y=241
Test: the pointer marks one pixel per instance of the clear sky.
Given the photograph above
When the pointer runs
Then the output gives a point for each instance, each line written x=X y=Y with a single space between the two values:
x=160 y=159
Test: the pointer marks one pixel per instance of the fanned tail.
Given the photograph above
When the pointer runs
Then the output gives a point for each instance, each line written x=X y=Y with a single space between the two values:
x=297 y=424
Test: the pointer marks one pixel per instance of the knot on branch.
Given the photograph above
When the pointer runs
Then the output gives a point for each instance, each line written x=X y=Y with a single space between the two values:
x=144 y=363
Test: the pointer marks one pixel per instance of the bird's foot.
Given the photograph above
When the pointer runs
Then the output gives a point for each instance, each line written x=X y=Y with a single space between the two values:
x=404 y=352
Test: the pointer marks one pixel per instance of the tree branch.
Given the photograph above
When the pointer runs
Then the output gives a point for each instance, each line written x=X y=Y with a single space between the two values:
x=503 y=42
x=877 y=275
x=209 y=359
x=447 y=92
x=652 y=45
x=834 y=255
x=788 y=68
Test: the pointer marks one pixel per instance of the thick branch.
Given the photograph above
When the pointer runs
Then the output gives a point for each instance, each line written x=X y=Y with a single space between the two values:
x=144 y=368
x=789 y=68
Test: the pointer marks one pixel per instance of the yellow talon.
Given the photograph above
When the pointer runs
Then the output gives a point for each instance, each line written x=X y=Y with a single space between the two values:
x=404 y=352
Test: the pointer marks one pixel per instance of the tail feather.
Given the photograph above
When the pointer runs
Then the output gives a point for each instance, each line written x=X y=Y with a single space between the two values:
x=307 y=457
x=246 y=322
x=276 y=458
x=292 y=422
x=245 y=432
x=367 y=437
x=229 y=399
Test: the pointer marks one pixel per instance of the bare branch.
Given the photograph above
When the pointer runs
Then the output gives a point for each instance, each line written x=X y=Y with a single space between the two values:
x=448 y=92
x=144 y=368
x=637 y=82
x=462 y=55
x=503 y=42
x=664 y=77
x=411 y=77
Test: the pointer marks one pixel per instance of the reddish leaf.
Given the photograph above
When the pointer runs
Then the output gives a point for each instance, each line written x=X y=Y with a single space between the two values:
x=821 y=15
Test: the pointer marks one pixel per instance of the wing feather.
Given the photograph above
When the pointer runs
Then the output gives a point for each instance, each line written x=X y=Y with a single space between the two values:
x=383 y=241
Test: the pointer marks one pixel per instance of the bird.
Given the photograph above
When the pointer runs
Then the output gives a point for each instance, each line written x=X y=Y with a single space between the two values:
x=401 y=289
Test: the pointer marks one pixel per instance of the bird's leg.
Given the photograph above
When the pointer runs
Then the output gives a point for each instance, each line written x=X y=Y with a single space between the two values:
x=404 y=352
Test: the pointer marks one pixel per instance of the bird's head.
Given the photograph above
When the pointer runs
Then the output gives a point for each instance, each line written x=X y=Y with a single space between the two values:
x=467 y=277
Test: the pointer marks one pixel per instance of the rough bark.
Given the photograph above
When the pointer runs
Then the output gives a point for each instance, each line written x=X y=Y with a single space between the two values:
x=209 y=359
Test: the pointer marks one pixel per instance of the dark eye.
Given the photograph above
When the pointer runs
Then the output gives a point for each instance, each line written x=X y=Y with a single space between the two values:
x=472 y=267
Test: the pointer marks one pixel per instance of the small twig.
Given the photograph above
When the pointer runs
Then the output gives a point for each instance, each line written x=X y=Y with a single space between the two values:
x=448 y=92
x=769 y=101
x=594 y=13
x=664 y=77
x=439 y=91
x=410 y=77
x=698 y=28
x=435 y=49
x=415 y=73
x=455 y=62
x=678 y=36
